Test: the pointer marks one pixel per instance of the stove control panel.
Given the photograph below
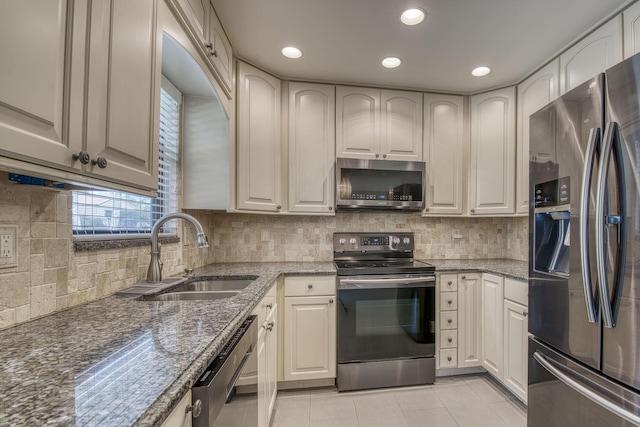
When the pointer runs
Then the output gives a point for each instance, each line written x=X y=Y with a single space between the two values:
x=373 y=242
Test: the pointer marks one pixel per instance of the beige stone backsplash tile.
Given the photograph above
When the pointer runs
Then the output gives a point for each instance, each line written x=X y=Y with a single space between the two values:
x=15 y=290
x=43 y=299
x=23 y=313
x=56 y=253
x=7 y=317
x=43 y=206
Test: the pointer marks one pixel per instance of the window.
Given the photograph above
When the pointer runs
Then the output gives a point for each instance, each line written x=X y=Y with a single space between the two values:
x=104 y=212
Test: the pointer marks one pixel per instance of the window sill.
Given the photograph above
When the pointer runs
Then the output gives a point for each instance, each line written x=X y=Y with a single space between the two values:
x=85 y=244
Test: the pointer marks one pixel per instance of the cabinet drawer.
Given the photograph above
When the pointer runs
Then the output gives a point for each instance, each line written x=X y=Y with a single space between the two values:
x=516 y=291
x=449 y=358
x=302 y=286
x=449 y=320
x=448 y=301
x=448 y=282
x=449 y=339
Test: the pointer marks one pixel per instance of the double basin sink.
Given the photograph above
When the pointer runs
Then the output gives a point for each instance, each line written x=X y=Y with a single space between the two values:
x=204 y=288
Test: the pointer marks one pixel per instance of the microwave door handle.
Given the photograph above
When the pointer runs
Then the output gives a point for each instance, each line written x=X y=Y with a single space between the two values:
x=603 y=220
x=593 y=147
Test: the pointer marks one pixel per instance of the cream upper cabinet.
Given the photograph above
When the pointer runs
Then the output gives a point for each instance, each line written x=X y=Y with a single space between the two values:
x=311 y=149
x=401 y=125
x=469 y=323
x=38 y=120
x=492 y=342
x=533 y=94
x=358 y=122
x=209 y=35
x=81 y=98
x=591 y=55
x=444 y=154
x=123 y=89
x=631 y=25
x=378 y=124
x=259 y=145
x=492 y=169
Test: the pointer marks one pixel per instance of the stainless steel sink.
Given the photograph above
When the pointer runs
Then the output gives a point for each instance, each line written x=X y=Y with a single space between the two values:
x=193 y=296
x=214 y=284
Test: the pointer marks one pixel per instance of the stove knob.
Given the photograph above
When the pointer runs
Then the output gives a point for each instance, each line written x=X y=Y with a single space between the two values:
x=342 y=241
x=406 y=240
x=352 y=241
x=396 y=240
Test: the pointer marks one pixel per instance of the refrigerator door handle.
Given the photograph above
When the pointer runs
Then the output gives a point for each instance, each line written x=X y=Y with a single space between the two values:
x=610 y=305
x=593 y=147
x=585 y=391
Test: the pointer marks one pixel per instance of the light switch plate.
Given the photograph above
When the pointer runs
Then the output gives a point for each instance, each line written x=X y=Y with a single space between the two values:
x=8 y=246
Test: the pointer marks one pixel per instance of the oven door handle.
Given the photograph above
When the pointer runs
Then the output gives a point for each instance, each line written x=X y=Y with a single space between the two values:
x=395 y=282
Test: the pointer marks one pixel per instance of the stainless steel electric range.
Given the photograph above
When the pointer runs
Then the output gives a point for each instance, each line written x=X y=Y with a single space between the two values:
x=386 y=312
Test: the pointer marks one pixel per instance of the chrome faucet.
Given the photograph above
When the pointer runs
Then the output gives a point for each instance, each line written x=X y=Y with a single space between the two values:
x=154 y=275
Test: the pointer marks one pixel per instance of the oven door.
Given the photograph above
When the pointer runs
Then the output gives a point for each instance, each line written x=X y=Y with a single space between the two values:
x=383 y=318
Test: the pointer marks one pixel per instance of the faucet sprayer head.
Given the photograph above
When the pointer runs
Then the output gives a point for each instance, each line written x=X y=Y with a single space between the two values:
x=203 y=240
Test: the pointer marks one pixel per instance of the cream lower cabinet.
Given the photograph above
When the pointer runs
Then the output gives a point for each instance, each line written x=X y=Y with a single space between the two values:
x=259 y=146
x=447 y=332
x=516 y=338
x=469 y=324
x=267 y=361
x=179 y=417
x=311 y=148
x=309 y=328
x=78 y=100
x=492 y=342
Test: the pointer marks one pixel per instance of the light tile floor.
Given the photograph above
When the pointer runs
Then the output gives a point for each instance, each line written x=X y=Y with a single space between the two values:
x=462 y=401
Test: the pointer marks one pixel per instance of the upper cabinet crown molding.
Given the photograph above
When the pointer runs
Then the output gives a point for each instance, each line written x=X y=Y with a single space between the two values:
x=378 y=124
x=592 y=55
x=491 y=181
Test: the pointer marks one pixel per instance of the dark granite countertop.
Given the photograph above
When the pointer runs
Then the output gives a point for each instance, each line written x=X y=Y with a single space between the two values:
x=504 y=267
x=119 y=361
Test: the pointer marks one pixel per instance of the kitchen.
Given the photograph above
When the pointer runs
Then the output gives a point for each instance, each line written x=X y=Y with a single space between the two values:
x=58 y=275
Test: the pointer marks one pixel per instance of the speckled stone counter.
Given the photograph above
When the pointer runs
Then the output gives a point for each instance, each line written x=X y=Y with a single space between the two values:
x=120 y=361
x=504 y=267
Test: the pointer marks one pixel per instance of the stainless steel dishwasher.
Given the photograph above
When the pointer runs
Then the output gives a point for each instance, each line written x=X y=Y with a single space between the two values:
x=213 y=395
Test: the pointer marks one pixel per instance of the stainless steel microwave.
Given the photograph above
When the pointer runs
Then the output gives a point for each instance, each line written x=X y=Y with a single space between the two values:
x=379 y=184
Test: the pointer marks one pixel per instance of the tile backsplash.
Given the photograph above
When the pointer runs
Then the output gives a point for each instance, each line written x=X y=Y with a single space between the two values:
x=51 y=276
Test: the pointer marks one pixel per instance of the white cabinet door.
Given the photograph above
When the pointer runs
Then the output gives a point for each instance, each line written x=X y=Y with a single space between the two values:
x=515 y=348
x=123 y=89
x=179 y=417
x=401 y=125
x=469 y=324
x=491 y=182
x=311 y=150
x=492 y=330
x=259 y=146
x=591 y=55
x=357 y=122
x=196 y=13
x=533 y=94
x=631 y=25
x=35 y=87
x=444 y=153
x=219 y=50
x=267 y=353
x=309 y=338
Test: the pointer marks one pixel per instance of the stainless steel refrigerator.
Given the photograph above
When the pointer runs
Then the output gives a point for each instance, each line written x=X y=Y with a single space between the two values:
x=584 y=255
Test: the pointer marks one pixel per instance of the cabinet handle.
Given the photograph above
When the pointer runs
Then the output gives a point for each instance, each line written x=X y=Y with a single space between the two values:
x=196 y=408
x=331 y=301
x=100 y=161
x=83 y=156
x=525 y=313
x=450 y=339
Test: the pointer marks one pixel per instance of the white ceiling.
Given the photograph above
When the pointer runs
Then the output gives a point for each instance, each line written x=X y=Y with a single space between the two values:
x=344 y=40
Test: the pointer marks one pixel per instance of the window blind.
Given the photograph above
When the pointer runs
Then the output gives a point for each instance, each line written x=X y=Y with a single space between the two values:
x=102 y=212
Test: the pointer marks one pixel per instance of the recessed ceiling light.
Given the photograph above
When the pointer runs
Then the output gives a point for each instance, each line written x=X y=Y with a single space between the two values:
x=481 y=71
x=412 y=16
x=291 y=52
x=391 y=62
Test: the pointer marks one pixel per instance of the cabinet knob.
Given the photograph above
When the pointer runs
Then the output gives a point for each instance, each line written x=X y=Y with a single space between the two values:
x=449 y=283
x=83 y=156
x=100 y=161
x=449 y=321
x=196 y=408
x=310 y=286
x=279 y=207
x=384 y=156
x=214 y=53
x=426 y=209
x=450 y=339
x=450 y=302
x=330 y=208
x=449 y=358
x=331 y=301
x=473 y=211
x=463 y=277
x=525 y=313
x=209 y=46
x=270 y=325
x=269 y=306
x=377 y=155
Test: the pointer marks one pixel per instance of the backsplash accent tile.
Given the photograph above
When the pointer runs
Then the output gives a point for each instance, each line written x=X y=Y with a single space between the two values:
x=51 y=276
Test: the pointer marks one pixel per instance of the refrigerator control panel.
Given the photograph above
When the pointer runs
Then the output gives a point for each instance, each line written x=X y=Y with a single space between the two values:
x=553 y=193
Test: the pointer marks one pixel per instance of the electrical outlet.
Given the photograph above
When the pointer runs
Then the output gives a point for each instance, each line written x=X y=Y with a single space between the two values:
x=455 y=234
x=8 y=255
